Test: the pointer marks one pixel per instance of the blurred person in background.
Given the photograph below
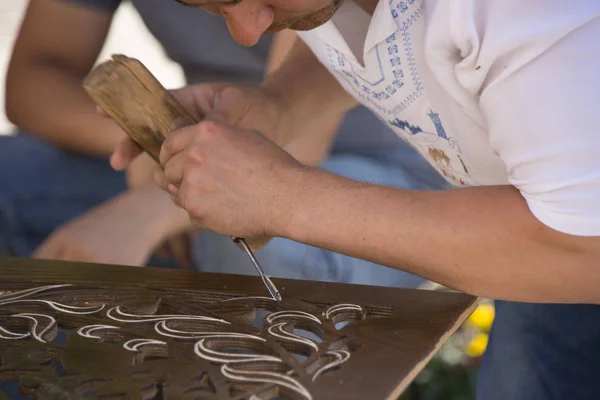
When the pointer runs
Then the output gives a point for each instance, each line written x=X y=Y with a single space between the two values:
x=61 y=199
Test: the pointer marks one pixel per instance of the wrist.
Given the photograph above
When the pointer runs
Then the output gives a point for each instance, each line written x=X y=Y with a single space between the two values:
x=321 y=203
x=305 y=189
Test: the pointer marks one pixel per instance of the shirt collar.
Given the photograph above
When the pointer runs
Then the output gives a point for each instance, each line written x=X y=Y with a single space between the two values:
x=329 y=34
x=382 y=25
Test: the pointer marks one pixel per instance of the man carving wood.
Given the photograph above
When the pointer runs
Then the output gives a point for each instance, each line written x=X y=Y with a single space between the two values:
x=525 y=223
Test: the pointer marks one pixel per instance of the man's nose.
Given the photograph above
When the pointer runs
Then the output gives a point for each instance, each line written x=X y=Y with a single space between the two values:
x=247 y=22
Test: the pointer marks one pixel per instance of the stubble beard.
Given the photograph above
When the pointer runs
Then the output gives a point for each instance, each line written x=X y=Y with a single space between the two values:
x=308 y=22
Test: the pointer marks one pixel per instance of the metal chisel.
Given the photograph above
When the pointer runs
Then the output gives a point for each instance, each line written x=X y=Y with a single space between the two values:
x=266 y=280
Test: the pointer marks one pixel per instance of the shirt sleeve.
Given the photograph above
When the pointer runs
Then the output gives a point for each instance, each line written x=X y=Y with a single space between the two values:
x=543 y=117
x=101 y=5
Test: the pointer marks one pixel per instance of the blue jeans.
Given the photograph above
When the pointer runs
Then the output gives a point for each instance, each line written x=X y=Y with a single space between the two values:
x=42 y=187
x=542 y=352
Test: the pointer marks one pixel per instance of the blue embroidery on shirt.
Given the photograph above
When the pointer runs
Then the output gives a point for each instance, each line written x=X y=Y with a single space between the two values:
x=440 y=156
x=410 y=57
x=369 y=92
x=435 y=118
x=340 y=58
x=415 y=129
x=405 y=125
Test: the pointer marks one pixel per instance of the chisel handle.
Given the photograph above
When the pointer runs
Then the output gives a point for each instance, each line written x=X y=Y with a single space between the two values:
x=130 y=95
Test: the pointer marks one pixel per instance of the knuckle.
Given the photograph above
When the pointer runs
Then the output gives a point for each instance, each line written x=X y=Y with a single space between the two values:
x=195 y=212
x=193 y=206
x=209 y=128
x=196 y=154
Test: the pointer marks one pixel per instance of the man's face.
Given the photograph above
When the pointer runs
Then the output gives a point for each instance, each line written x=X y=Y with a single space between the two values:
x=249 y=19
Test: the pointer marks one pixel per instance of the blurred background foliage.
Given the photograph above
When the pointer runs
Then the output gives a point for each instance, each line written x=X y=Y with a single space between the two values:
x=452 y=373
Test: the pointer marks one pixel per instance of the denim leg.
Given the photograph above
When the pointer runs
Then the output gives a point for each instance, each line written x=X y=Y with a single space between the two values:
x=288 y=259
x=542 y=351
x=42 y=187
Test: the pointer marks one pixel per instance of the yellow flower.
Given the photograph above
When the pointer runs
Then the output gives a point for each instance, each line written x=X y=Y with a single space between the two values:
x=477 y=346
x=482 y=317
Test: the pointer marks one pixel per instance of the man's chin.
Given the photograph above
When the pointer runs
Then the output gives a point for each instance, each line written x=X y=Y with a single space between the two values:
x=303 y=24
x=308 y=22
x=306 y=25
x=275 y=28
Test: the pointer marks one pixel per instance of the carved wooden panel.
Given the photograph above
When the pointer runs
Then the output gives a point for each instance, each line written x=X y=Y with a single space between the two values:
x=70 y=330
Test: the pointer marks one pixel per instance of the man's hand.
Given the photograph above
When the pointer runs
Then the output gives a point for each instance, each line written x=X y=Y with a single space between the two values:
x=242 y=106
x=230 y=180
x=122 y=231
x=298 y=106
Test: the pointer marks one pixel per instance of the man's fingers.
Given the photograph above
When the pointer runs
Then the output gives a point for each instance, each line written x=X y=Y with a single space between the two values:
x=176 y=143
x=158 y=175
x=161 y=181
x=196 y=99
x=186 y=98
x=173 y=169
x=210 y=102
x=217 y=116
x=125 y=152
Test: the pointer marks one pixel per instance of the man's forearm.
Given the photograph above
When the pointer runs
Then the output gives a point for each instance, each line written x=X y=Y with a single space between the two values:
x=314 y=97
x=483 y=241
x=46 y=100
